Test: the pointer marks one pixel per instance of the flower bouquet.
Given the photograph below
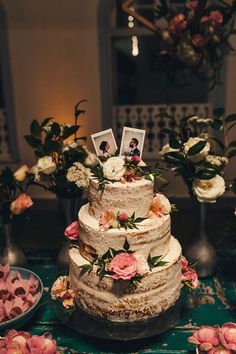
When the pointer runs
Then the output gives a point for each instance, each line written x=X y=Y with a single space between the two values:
x=200 y=158
x=13 y=202
x=63 y=164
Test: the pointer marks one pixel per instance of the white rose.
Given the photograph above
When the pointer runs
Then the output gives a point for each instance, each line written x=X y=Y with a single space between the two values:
x=199 y=156
x=46 y=165
x=35 y=171
x=91 y=160
x=208 y=190
x=217 y=160
x=166 y=149
x=21 y=174
x=143 y=267
x=113 y=168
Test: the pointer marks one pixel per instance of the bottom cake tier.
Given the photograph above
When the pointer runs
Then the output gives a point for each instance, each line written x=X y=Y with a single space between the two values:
x=120 y=301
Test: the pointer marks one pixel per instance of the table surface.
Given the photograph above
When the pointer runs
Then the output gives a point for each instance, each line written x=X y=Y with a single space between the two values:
x=213 y=303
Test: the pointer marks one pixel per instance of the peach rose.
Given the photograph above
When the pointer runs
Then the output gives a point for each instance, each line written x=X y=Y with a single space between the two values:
x=206 y=338
x=21 y=174
x=227 y=336
x=107 y=220
x=72 y=231
x=42 y=344
x=60 y=291
x=199 y=40
x=160 y=205
x=123 y=266
x=22 y=203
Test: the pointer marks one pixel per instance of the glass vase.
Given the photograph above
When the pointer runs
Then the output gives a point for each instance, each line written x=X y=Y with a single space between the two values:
x=10 y=253
x=201 y=248
x=70 y=208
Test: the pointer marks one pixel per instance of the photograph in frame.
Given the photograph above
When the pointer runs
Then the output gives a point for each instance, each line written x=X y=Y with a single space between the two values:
x=104 y=143
x=132 y=142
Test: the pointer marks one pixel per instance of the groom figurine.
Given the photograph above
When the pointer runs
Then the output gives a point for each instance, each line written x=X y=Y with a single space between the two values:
x=133 y=145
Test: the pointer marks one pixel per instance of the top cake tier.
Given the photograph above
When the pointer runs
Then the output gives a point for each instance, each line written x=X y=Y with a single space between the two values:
x=131 y=197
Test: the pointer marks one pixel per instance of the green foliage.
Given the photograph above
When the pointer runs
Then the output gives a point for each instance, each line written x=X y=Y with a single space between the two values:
x=156 y=261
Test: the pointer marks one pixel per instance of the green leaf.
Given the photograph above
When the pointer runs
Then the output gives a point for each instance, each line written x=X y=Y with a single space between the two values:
x=86 y=268
x=35 y=129
x=45 y=121
x=230 y=118
x=50 y=146
x=195 y=149
x=174 y=158
x=138 y=220
x=232 y=153
x=206 y=174
x=216 y=124
x=55 y=129
x=161 y=263
x=174 y=142
x=126 y=245
x=32 y=141
x=68 y=131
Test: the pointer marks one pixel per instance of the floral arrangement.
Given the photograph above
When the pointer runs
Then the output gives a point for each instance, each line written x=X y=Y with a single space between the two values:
x=195 y=39
x=118 y=168
x=25 y=343
x=110 y=220
x=13 y=198
x=61 y=291
x=215 y=339
x=123 y=264
x=17 y=295
x=196 y=156
x=189 y=275
x=63 y=166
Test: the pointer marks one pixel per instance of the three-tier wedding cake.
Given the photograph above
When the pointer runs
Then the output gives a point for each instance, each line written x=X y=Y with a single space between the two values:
x=126 y=266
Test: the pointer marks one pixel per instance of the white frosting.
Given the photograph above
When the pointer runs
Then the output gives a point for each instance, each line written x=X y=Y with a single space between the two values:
x=152 y=236
x=117 y=300
x=129 y=197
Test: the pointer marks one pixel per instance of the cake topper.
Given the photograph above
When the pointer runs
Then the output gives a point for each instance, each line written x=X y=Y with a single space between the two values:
x=104 y=144
x=132 y=142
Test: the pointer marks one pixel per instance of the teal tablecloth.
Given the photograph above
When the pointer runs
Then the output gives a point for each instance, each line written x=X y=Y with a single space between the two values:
x=214 y=303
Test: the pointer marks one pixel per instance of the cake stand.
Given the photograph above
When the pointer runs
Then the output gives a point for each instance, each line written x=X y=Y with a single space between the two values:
x=96 y=327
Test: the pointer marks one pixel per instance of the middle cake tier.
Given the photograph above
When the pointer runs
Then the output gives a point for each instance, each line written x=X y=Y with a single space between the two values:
x=151 y=238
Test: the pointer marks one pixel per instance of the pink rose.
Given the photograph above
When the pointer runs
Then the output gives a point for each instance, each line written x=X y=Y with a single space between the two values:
x=177 y=23
x=190 y=277
x=22 y=203
x=135 y=159
x=199 y=40
x=206 y=338
x=123 y=217
x=72 y=231
x=216 y=17
x=193 y=5
x=143 y=267
x=124 y=266
x=227 y=336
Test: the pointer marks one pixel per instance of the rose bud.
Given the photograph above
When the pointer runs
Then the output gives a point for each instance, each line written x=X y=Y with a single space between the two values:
x=72 y=231
x=123 y=217
x=135 y=159
x=22 y=203
x=21 y=174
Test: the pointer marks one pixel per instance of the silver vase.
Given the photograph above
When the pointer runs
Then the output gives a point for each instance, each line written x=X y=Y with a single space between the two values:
x=201 y=248
x=69 y=208
x=10 y=253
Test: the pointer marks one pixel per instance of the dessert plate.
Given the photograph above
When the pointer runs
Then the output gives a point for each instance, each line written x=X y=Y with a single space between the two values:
x=85 y=323
x=19 y=321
